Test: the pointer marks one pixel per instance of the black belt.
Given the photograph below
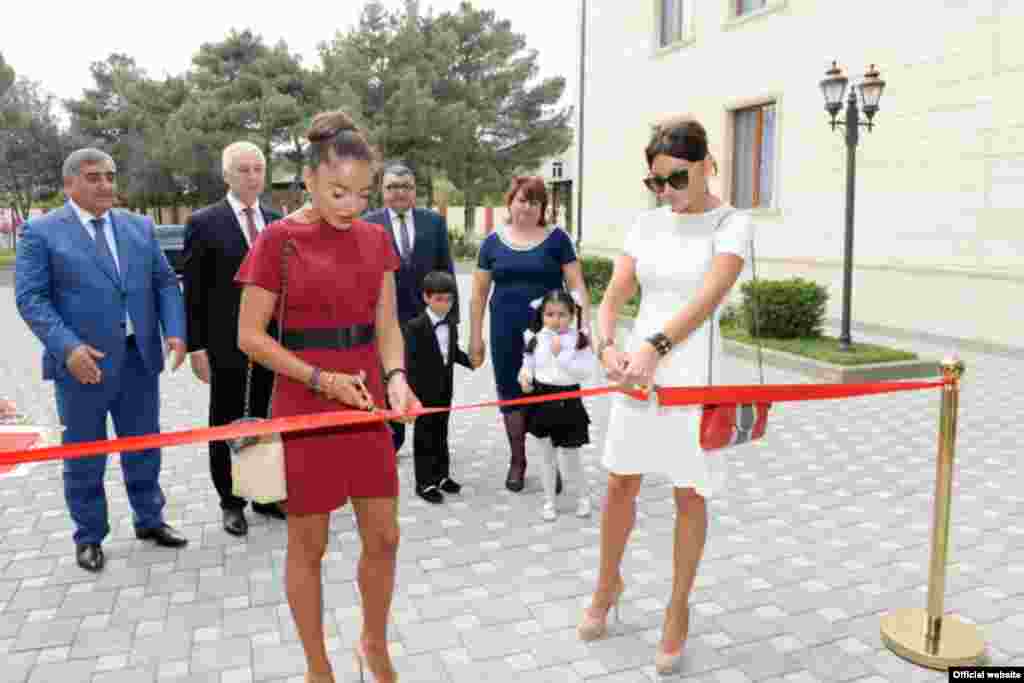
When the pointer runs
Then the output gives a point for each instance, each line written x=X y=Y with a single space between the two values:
x=329 y=338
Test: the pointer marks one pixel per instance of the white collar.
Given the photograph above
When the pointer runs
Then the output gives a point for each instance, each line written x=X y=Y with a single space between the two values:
x=84 y=216
x=434 y=318
x=408 y=215
x=238 y=207
x=548 y=333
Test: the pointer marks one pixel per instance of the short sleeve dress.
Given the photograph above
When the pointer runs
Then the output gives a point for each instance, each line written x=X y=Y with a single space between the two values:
x=673 y=253
x=519 y=275
x=334 y=280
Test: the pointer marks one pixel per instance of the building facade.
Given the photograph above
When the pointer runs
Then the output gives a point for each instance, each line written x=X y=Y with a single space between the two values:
x=939 y=244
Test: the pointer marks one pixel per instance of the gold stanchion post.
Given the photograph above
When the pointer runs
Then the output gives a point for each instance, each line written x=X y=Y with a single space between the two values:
x=929 y=637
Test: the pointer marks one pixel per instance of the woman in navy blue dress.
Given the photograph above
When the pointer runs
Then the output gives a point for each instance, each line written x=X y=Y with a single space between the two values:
x=519 y=262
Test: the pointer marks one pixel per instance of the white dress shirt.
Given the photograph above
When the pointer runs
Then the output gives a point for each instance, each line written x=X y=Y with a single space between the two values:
x=396 y=228
x=239 y=208
x=108 y=234
x=441 y=333
x=569 y=366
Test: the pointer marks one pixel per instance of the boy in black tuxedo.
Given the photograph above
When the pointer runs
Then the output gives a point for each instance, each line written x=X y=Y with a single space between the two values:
x=432 y=349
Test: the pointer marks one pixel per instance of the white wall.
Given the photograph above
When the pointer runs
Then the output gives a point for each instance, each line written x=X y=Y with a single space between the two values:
x=940 y=192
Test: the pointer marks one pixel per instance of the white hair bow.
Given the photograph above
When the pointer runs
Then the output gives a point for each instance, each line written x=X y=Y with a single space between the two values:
x=577 y=297
x=535 y=304
x=528 y=336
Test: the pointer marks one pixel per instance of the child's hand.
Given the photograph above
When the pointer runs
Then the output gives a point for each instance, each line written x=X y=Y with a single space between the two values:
x=556 y=346
x=525 y=380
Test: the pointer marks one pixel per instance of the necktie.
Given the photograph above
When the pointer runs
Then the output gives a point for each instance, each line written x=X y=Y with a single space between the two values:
x=250 y=224
x=404 y=236
x=102 y=246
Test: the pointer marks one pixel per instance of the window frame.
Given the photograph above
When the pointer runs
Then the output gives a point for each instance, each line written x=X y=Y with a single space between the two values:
x=734 y=19
x=728 y=166
x=687 y=34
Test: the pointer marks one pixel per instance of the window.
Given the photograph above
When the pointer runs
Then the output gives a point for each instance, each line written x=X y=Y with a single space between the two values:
x=670 y=22
x=753 y=168
x=556 y=169
x=744 y=7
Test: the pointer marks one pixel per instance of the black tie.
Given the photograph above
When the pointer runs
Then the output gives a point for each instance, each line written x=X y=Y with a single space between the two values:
x=406 y=240
x=102 y=246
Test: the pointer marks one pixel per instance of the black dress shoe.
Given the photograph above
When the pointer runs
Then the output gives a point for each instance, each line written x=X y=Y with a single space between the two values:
x=430 y=494
x=449 y=486
x=272 y=510
x=163 y=536
x=515 y=482
x=234 y=522
x=89 y=556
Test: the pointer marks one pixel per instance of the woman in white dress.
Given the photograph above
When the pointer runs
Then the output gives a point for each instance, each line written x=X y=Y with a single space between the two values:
x=685 y=257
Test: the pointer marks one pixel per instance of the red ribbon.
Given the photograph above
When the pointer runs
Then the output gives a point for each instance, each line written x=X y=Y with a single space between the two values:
x=666 y=396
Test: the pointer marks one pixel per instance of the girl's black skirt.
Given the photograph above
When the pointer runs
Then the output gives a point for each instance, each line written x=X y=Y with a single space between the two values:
x=565 y=422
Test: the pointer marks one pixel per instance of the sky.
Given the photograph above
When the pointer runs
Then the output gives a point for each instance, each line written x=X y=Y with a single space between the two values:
x=72 y=35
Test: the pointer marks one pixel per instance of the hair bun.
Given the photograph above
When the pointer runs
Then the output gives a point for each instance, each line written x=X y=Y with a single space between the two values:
x=327 y=124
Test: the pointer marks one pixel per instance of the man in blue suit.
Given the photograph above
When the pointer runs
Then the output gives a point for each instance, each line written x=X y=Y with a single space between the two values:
x=94 y=286
x=420 y=238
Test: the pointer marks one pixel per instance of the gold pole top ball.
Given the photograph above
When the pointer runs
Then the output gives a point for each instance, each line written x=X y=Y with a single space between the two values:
x=952 y=367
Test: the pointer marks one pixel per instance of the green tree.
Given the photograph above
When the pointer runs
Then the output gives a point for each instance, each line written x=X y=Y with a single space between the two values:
x=454 y=95
x=126 y=114
x=31 y=152
x=243 y=89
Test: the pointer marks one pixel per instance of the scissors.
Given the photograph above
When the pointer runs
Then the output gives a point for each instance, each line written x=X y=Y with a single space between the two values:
x=360 y=382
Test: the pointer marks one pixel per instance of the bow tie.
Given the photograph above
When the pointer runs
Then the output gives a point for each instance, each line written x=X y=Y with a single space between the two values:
x=440 y=323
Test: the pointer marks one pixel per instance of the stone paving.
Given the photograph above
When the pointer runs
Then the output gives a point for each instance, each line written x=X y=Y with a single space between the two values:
x=824 y=528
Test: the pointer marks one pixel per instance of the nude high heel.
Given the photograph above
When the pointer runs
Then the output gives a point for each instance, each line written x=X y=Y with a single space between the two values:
x=668 y=662
x=595 y=628
x=362 y=667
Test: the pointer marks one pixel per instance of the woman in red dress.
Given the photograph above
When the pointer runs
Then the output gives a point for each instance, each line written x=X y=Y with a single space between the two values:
x=340 y=326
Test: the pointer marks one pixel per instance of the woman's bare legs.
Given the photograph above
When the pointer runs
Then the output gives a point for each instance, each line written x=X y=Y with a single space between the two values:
x=690 y=535
x=307 y=542
x=378 y=529
x=617 y=522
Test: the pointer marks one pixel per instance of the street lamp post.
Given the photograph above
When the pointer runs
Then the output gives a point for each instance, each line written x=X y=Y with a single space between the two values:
x=834 y=87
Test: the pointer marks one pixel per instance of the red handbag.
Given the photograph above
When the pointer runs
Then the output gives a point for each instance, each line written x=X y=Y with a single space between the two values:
x=732 y=424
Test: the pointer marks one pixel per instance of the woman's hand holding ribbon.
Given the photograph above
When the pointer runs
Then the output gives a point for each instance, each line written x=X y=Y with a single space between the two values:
x=347 y=389
x=614 y=364
x=401 y=398
x=640 y=365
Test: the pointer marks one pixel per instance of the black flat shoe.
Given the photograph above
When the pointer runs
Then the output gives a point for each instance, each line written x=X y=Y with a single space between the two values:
x=430 y=494
x=449 y=486
x=163 y=535
x=89 y=557
x=234 y=522
x=272 y=510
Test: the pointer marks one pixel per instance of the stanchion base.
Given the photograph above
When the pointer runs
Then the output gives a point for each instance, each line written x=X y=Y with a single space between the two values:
x=960 y=643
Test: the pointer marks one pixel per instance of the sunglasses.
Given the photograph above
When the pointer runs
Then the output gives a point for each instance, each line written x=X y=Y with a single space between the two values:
x=678 y=180
x=397 y=187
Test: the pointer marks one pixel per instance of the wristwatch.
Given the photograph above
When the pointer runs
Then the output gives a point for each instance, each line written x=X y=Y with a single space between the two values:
x=661 y=343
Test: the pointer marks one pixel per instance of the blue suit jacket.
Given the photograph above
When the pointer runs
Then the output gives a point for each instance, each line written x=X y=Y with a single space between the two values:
x=69 y=296
x=430 y=251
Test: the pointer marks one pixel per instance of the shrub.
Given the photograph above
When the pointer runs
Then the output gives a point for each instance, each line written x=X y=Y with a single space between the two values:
x=462 y=247
x=786 y=309
x=597 y=273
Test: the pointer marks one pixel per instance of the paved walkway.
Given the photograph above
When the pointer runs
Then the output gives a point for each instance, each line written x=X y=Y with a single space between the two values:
x=824 y=527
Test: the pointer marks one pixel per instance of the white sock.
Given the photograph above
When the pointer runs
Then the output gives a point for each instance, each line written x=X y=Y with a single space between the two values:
x=548 y=470
x=572 y=471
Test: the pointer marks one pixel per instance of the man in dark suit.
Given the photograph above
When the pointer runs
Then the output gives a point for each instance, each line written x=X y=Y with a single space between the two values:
x=94 y=286
x=217 y=239
x=431 y=352
x=420 y=238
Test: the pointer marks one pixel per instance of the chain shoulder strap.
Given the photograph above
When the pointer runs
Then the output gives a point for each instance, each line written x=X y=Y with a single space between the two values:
x=287 y=249
x=753 y=272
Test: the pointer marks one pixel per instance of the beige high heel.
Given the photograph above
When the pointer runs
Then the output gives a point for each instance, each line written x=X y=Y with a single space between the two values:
x=362 y=665
x=594 y=628
x=319 y=678
x=668 y=662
